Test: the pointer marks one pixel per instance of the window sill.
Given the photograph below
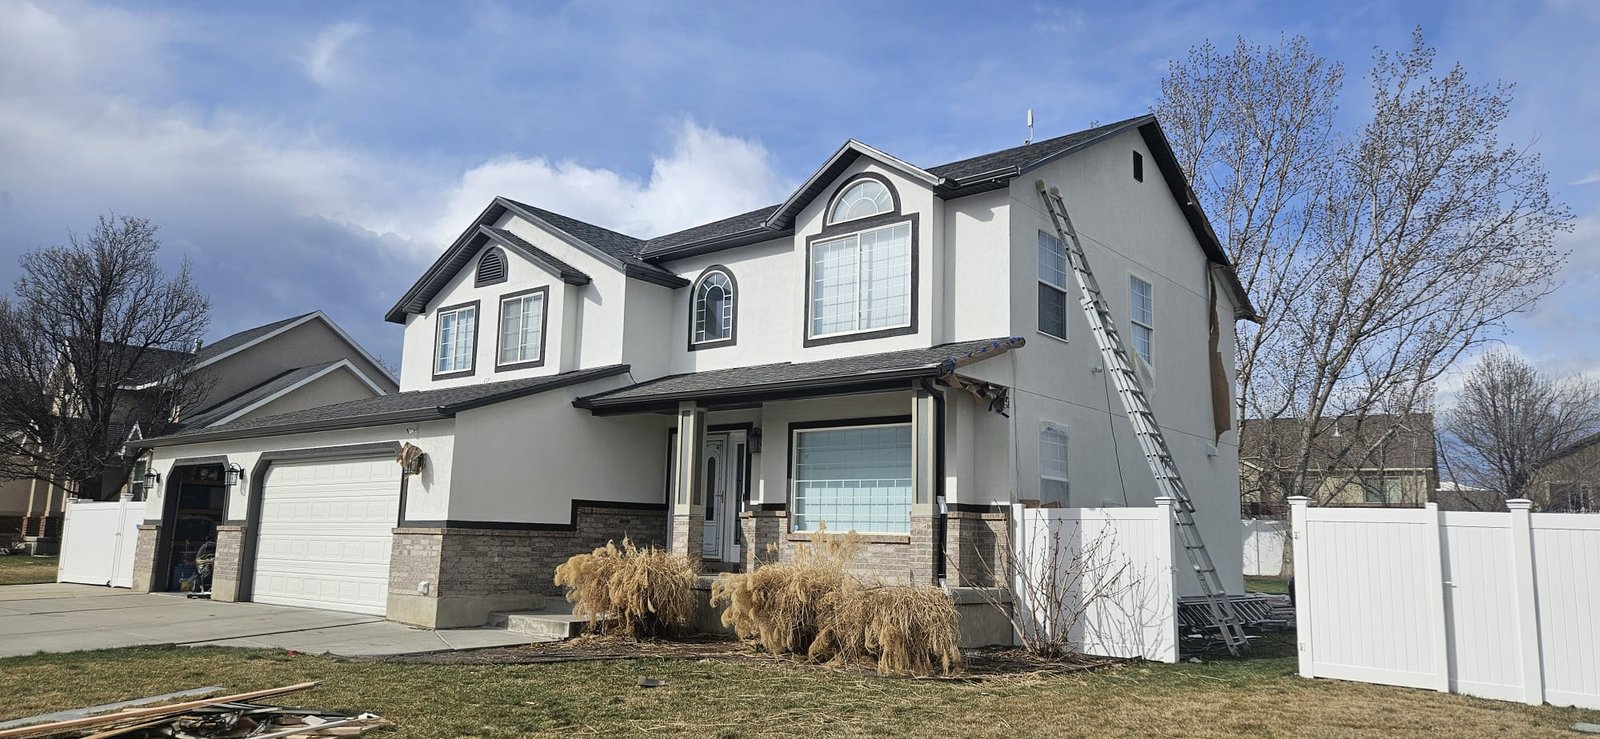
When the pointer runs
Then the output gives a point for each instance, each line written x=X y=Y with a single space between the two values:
x=1052 y=337
x=801 y=536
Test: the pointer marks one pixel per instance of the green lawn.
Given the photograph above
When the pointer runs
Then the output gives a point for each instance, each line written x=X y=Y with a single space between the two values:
x=1273 y=585
x=17 y=569
x=1260 y=696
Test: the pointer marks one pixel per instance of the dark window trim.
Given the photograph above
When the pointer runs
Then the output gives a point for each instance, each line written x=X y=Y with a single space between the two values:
x=834 y=423
x=472 y=356
x=1065 y=296
x=833 y=200
x=477 y=270
x=694 y=305
x=544 y=328
x=854 y=227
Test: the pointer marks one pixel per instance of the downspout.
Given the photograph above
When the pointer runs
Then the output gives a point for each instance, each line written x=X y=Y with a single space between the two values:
x=941 y=522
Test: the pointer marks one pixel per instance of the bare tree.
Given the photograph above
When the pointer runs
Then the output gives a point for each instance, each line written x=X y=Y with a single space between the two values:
x=95 y=340
x=1511 y=420
x=1380 y=255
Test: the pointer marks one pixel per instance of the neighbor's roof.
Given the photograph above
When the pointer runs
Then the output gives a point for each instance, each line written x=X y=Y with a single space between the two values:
x=829 y=376
x=1271 y=443
x=251 y=396
x=416 y=405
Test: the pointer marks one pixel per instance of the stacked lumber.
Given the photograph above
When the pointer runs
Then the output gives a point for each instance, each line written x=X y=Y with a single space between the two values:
x=223 y=717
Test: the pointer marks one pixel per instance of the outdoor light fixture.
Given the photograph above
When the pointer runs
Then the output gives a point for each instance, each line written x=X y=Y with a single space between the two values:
x=233 y=475
x=755 y=440
x=151 y=480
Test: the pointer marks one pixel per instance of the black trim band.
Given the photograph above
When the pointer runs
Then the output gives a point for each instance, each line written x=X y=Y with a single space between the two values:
x=572 y=525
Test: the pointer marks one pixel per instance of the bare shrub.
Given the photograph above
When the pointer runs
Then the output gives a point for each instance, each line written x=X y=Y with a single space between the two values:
x=905 y=629
x=779 y=603
x=640 y=592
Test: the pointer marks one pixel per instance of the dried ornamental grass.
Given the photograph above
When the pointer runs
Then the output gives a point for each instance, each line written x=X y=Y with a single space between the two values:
x=643 y=592
x=778 y=603
x=906 y=629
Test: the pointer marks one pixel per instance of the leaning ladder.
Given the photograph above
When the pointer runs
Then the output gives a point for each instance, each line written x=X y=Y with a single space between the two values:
x=1137 y=404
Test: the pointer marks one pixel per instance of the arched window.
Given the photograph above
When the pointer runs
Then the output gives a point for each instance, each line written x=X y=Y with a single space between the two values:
x=712 y=322
x=491 y=268
x=863 y=198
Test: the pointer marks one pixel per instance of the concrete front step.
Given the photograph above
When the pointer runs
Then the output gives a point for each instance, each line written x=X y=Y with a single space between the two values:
x=547 y=624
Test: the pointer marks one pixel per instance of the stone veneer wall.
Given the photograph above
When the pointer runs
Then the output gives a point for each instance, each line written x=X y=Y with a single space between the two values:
x=976 y=546
x=473 y=572
x=887 y=559
x=144 y=556
x=229 y=563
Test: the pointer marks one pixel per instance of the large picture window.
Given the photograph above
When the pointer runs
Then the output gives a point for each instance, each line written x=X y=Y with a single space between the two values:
x=861 y=282
x=855 y=478
x=458 y=329
x=522 y=321
x=1052 y=286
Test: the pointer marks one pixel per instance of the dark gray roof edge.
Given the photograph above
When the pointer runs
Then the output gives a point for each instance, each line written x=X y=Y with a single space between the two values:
x=720 y=243
x=640 y=270
x=397 y=314
x=542 y=259
x=576 y=377
x=933 y=368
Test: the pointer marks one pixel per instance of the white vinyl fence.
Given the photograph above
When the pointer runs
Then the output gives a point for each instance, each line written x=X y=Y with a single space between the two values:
x=97 y=542
x=1497 y=605
x=1101 y=576
x=1263 y=546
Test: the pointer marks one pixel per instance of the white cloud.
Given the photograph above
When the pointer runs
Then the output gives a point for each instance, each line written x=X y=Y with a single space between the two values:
x=707 y=175
x=321 y=57
x=1588 y=179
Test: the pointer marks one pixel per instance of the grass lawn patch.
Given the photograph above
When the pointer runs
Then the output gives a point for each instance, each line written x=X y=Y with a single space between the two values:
x=1270 y=585
x=1259 y=696
x=18 y=569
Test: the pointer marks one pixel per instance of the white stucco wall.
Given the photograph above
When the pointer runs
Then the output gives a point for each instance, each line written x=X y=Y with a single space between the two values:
x=427 y=495
x=525 y=460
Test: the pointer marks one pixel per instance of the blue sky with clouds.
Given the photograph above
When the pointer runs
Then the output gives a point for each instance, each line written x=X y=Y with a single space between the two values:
x=318 y=155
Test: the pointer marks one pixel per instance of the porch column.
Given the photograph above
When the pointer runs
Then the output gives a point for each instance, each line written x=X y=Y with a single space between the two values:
x=925 y=503
x=688 y=498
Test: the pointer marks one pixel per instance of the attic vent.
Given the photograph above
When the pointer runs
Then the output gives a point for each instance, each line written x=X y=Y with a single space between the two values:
x=1138 y=166
x=491 y=268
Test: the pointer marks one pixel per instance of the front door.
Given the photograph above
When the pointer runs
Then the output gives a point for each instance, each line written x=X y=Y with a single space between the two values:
x=716 y=494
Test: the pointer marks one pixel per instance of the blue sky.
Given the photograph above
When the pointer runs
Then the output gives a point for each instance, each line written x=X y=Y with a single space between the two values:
x=318 y=155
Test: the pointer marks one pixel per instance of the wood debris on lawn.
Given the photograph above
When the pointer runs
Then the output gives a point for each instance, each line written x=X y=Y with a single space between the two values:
x=225 y=717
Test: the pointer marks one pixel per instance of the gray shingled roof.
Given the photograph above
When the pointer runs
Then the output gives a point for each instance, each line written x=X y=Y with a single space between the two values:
x=749 y=383
x=619 y=245
x=416 y=405
x=207 y=416
x=741 y=223
x=1027 y=155
x=232 y=341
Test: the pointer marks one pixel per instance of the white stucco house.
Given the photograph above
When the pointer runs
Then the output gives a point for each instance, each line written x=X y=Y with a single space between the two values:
x=894 y=350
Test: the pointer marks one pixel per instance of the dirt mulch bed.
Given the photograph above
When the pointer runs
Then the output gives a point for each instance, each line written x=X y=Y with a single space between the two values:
x=988 y=662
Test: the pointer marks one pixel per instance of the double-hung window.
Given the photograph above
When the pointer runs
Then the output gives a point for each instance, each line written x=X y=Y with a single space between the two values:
x=522 y=329
x=458 y=327
x=861 y=282
x=1142 y=306
x=853 y=478
x=1053 y=465
x=1052 y=286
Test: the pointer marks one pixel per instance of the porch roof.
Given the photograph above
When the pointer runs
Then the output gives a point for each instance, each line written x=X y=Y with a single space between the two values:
x=864 y=373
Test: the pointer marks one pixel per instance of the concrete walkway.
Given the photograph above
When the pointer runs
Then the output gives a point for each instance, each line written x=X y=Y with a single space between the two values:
x=66 y=618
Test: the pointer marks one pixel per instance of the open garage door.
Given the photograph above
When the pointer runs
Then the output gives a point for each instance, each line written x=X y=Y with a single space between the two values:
x=325 y=534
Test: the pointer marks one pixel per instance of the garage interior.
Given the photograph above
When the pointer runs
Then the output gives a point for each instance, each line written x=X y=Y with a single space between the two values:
x=194 y=507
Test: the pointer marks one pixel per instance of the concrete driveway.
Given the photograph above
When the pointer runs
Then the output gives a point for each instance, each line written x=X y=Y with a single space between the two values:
x=67 y=618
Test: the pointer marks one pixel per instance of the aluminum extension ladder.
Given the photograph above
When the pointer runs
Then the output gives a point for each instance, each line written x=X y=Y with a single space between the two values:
x=1137 y=404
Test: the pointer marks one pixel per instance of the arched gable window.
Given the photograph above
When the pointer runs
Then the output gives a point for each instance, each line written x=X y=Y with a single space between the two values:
x=713 y=313
x=865 y=197
x=491 y=268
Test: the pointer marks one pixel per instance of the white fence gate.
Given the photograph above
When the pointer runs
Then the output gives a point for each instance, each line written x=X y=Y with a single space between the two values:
x=1497 y=605
x=1109 y=568
x=1263 y=546
x=97 y=542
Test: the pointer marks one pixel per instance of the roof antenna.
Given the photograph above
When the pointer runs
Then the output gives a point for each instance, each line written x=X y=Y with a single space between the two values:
x=1029 y=140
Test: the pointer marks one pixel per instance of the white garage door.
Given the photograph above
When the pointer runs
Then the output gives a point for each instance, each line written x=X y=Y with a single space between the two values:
x=325 y=534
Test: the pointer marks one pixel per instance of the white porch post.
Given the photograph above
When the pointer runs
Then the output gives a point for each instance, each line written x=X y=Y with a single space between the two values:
x=688 y=503
x=925 y=508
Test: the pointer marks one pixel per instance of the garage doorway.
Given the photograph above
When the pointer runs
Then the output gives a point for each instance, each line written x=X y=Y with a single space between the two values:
x=193 y=505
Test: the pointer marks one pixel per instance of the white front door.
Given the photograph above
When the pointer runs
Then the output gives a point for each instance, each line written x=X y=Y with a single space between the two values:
x=325 y=534
x=716 y=494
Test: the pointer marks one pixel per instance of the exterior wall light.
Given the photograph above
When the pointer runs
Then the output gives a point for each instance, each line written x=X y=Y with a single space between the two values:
x=232 y=476
x=152 y=481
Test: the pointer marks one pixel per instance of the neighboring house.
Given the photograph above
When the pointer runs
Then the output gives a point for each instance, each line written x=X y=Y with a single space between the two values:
x=1570 y=481
x=1375 y=461
x=288 y=365
x=1455 y=496
x=893 y=350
